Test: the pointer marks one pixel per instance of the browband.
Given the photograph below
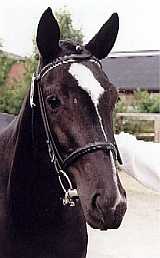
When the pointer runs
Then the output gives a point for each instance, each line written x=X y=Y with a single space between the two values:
x=66 y=60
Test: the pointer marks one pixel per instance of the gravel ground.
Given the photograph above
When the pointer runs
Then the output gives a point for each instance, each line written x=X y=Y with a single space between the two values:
x=138 y=235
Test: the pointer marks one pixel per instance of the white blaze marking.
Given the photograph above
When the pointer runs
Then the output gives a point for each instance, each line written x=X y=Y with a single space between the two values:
x=87 y=82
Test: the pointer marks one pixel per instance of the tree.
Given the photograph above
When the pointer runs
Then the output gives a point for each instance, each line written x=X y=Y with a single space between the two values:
x=11 y=97
x=67 y=29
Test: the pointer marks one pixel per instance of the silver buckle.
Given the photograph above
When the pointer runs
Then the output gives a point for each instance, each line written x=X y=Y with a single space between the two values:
x=70 y=197
x=71 y=194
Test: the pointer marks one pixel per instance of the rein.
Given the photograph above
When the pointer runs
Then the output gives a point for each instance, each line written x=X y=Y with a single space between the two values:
x=60 y=165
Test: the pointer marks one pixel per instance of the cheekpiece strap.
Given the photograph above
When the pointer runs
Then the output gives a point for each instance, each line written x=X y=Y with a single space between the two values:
x=32 y=89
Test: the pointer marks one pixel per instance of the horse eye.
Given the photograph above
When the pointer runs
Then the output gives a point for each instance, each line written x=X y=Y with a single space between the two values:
x=54 y=102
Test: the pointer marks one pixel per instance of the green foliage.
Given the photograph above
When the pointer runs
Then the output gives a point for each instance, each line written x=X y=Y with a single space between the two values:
x=12 y=97
x=146 y=103
x=120 y=107
x=67 y=29
x=5 y=65
x=143 y=103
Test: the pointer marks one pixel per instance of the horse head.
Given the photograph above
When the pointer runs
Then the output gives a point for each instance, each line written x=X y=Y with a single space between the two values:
x=78 y=99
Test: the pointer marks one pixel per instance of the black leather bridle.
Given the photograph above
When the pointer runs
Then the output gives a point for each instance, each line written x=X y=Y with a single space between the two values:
x=61 y=165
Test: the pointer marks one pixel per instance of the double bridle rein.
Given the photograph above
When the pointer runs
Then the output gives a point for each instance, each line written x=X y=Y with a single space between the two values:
x=61 y=165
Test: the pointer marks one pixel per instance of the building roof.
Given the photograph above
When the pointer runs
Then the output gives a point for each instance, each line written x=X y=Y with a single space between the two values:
x=11 y=55
x=134 y=70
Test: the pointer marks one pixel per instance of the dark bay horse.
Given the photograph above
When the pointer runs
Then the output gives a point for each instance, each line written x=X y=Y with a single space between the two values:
x=57 y=157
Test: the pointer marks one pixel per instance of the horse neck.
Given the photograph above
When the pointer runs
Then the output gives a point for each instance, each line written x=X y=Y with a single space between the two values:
x=33 y=188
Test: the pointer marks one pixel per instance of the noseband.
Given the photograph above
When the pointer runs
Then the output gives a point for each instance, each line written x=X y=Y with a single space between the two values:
x=61 y=165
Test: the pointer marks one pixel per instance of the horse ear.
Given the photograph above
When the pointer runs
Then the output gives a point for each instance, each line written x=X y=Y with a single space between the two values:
x=101 y=44
x=48 y=35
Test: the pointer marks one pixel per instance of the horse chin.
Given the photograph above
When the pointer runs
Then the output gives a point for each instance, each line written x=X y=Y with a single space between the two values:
x=96 y=222
x=102 y=226
x=102 y=223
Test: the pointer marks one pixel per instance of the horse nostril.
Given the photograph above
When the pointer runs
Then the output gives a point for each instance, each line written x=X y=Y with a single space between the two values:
x=94 y=200
x=124 y=193
x=120 y=209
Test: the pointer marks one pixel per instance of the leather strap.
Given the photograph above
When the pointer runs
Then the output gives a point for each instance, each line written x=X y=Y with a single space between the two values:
x=90 y=148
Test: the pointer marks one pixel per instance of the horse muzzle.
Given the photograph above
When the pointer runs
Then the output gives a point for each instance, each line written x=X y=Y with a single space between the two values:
x=103 y=216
